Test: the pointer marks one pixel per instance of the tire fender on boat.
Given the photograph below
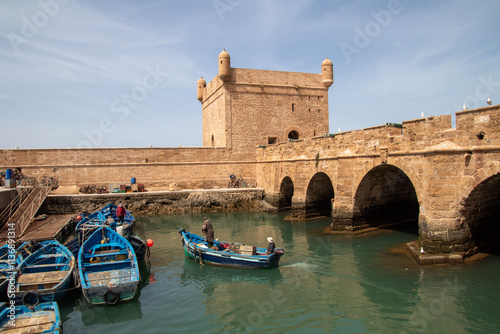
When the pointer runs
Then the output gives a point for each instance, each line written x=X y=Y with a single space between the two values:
x=31 y=299
x=111 y=297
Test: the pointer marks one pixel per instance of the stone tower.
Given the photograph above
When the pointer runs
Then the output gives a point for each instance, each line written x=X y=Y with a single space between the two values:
x=245 y=108
x=224 y=66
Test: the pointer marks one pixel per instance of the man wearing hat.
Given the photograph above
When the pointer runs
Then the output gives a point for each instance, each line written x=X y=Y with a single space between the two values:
x=270 y=248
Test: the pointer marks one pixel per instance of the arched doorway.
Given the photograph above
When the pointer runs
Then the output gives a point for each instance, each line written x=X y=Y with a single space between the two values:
x=481 y=213
x=286 y=194
x=386 y=196
x=319 y=196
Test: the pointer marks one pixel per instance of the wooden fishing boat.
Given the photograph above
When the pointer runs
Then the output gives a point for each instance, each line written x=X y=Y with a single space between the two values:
x=90 y=221
x=101 y=218
x=110 y=211
x=7 y=268
x=42 y=318
x=228 y=254
x=10 y=259
x=45 y=275
x=107 y=268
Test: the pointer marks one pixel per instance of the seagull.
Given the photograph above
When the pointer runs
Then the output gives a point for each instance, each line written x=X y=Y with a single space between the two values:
x=339 y=129
x=489 y=101
x=465 y=107
x=422 y=114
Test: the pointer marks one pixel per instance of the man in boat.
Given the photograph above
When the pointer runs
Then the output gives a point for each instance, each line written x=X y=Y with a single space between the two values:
x=120 y=213
x=272 y=245
x=208 y=229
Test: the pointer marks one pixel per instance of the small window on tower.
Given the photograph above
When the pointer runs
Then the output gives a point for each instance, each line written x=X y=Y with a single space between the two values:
x=293 y=106
x=272 y=140
x=294 y=135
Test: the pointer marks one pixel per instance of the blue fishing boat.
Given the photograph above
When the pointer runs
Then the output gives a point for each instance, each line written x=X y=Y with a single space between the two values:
x=107 y=268
x=45 y=275
x=90 y=221
x=228 y=254
x=42 y=318
x=109 y=211
x=10 y=259
x=8 y=264
x=107 y=216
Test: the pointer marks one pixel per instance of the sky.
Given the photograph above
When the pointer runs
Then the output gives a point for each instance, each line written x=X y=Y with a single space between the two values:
x=123 y=73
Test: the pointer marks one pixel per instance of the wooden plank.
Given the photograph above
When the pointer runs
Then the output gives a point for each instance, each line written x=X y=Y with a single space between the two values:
x=31 y=324
x=42 y=278
x=43 y=229
x=47 y=265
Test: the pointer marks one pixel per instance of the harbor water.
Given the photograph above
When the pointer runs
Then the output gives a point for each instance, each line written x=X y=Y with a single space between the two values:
x=324 y=284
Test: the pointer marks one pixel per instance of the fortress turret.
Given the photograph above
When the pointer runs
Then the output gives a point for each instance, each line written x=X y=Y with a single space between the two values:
x=224 y=66
x=327 y=72
x=200 y=87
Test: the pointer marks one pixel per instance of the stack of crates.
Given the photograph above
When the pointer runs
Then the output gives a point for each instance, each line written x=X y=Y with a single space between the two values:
x=114 y=188
x=247 y=250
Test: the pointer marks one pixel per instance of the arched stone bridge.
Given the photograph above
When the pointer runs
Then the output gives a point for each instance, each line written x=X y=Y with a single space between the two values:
x=442 y=182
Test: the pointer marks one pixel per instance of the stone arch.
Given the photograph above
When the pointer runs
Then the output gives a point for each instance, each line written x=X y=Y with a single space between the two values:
x=319 y=194
x=479 y=211
x=479 y=176
x=285 y=194
x=386 y=195
x=405 y=167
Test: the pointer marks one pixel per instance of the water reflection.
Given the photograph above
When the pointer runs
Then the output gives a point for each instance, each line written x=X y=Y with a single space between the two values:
x=75 y=307
x=108 y=314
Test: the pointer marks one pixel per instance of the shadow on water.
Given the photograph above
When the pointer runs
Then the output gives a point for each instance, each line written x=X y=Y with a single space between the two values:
x=210 y=276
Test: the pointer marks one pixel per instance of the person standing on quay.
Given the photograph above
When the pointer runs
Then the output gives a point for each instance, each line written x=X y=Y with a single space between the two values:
x=208 y=229
x=120 y=213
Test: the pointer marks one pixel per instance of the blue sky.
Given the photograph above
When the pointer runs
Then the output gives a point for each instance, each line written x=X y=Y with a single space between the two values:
x=123 y=73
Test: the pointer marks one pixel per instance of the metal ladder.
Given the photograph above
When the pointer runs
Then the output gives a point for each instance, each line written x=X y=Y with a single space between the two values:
x=20 y=212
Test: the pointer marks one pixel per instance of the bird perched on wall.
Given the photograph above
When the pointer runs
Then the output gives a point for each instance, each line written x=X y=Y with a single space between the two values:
x=489 y=101
x=465 y=107
x=422 y=114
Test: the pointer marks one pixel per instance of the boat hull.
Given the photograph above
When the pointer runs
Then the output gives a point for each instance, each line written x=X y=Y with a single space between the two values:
x=124 y=291
x=195 y=248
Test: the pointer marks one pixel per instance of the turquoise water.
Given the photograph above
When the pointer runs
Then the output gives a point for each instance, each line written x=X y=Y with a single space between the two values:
x=325 y=284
